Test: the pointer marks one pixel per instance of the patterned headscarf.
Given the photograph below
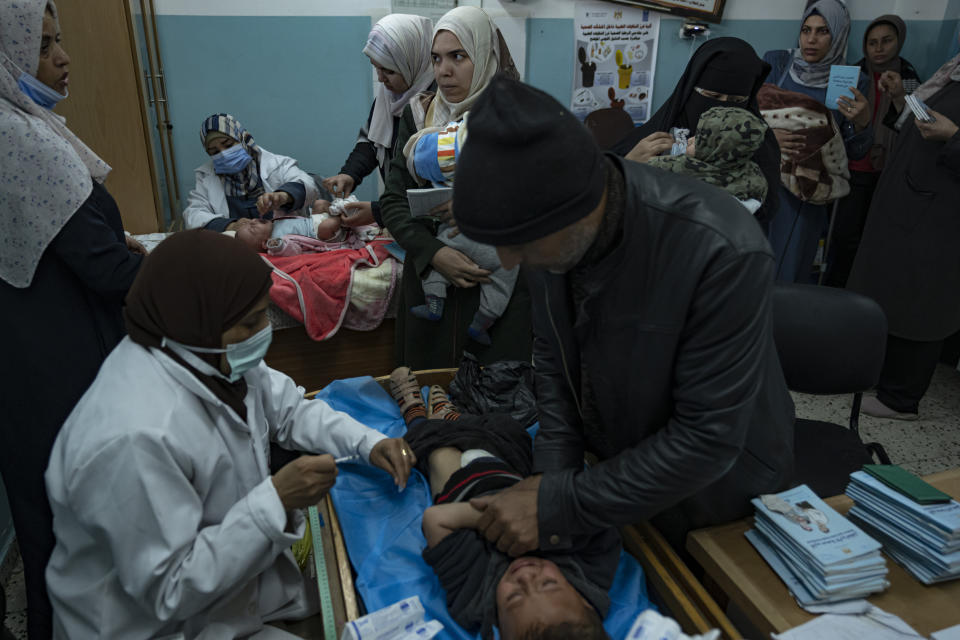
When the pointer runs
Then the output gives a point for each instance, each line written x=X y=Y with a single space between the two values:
x=247 y=183
x=47 y=171
x=949 y=72
x=727 y=138
x=401 y=43
x=816 y=74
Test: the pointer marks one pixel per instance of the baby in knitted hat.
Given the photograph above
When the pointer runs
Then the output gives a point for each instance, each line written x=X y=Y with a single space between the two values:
x=722 y=154
x=434 y=159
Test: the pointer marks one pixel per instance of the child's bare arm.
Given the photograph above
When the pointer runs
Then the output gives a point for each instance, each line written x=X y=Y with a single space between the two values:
x=441 y=520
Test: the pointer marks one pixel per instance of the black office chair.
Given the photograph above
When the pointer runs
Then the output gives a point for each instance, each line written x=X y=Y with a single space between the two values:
x=608 y=126
x=830 y=341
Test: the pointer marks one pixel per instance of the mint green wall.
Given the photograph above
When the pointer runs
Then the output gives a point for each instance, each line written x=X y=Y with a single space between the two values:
x=303 y=88
x=300 y=85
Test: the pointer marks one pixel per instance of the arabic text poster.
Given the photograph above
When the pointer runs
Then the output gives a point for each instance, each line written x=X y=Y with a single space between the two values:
x=616 y=55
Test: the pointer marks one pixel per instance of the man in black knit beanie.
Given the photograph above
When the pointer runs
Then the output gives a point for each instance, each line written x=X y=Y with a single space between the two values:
x=653 y=344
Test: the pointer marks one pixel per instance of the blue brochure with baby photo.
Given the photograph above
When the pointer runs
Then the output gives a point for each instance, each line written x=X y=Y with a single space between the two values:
x=842 y=77
x=871 y=564
x=819 y=531
x=799 y=581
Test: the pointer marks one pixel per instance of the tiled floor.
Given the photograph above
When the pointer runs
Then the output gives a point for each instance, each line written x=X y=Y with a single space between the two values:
x=16 y=596
x=928 y=445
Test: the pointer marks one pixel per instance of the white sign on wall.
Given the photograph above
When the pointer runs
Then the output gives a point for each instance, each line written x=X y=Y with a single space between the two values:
x=433 y=9
x=615 y=59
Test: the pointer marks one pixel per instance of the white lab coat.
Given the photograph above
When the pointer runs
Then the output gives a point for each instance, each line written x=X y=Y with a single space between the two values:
x=208 y=200
x=165 y=515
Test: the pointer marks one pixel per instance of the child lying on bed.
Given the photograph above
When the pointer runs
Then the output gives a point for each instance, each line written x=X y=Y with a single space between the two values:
x=293 y=235
x=564 y=593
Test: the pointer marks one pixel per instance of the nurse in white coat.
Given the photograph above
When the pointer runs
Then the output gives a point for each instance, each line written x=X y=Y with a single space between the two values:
x=243 y=180
x=166 y=516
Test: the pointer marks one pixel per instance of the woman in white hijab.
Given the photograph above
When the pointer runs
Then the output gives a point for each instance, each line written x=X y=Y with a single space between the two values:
x=467 y=51
x=399 y=49
x=65 y=267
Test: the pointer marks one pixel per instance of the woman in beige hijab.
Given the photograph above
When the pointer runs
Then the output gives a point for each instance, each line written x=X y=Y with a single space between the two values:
x=467 y=51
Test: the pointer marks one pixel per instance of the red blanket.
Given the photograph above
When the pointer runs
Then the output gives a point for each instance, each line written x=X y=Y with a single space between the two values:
x=314 y=288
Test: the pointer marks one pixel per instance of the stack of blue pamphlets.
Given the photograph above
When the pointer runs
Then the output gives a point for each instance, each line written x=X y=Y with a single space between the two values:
x=820 y=555
x=923 y=538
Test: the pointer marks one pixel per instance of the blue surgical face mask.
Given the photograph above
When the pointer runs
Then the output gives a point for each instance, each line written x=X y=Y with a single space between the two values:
x=39 y=92
x=241 y=356
x=232 y=160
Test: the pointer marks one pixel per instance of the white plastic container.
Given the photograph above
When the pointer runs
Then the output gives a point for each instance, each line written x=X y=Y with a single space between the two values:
x=397 y=619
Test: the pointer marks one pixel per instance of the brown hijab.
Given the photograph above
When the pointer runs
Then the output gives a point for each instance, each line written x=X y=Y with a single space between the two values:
x=194 y=286
x=883 y=136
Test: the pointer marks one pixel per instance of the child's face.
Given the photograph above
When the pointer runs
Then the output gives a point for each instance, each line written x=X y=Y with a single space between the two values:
x=534 y=591
x=254 y=232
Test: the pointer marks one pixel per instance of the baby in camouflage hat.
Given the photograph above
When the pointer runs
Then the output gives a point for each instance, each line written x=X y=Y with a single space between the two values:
x=721 y=154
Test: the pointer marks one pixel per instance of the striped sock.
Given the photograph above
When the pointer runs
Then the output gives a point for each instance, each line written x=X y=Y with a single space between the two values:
x=440 y=406
x=413 y=412
x=443 y=410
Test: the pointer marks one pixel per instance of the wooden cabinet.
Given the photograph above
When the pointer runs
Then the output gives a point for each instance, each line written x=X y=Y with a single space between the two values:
x=106 y=107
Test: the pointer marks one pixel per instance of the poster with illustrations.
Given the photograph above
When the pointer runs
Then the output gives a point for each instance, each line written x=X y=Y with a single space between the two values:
x=616 y=55
x=433 y=9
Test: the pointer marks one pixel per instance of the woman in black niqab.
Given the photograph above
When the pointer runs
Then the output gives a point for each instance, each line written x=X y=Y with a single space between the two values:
x=728 y=67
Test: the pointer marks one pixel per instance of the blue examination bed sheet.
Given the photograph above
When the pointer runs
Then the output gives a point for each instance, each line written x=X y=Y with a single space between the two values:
x=381 y=525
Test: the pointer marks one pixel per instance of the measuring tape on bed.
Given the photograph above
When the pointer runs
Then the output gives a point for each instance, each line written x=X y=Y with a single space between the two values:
x=323 y=582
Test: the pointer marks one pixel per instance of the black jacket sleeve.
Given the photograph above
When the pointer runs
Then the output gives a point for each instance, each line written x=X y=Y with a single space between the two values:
x=416 y=235
x=297 y=191
x=460 y=561
x=362 y=161
x=718 y=372
x=950 y=155
x=95 y=250
x=559 y=442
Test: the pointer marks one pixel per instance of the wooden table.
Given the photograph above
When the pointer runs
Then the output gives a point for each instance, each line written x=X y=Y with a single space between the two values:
x=751 y=584
x=346 y=354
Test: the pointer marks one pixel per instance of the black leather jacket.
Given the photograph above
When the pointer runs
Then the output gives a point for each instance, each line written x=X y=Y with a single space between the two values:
x=678 y=343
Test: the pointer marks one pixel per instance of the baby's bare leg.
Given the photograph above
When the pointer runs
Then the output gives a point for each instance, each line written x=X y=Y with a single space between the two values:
x=444 y=462
x=328 y=228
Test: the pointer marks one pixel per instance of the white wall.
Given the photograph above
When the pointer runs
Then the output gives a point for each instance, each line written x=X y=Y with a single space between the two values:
x=734 y=9
x=760 y=9
x=272 y=8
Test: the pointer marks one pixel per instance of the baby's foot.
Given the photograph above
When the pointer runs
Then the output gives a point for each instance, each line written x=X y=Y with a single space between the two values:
x=432 y=310
x=406 y=391
x=440 y=406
